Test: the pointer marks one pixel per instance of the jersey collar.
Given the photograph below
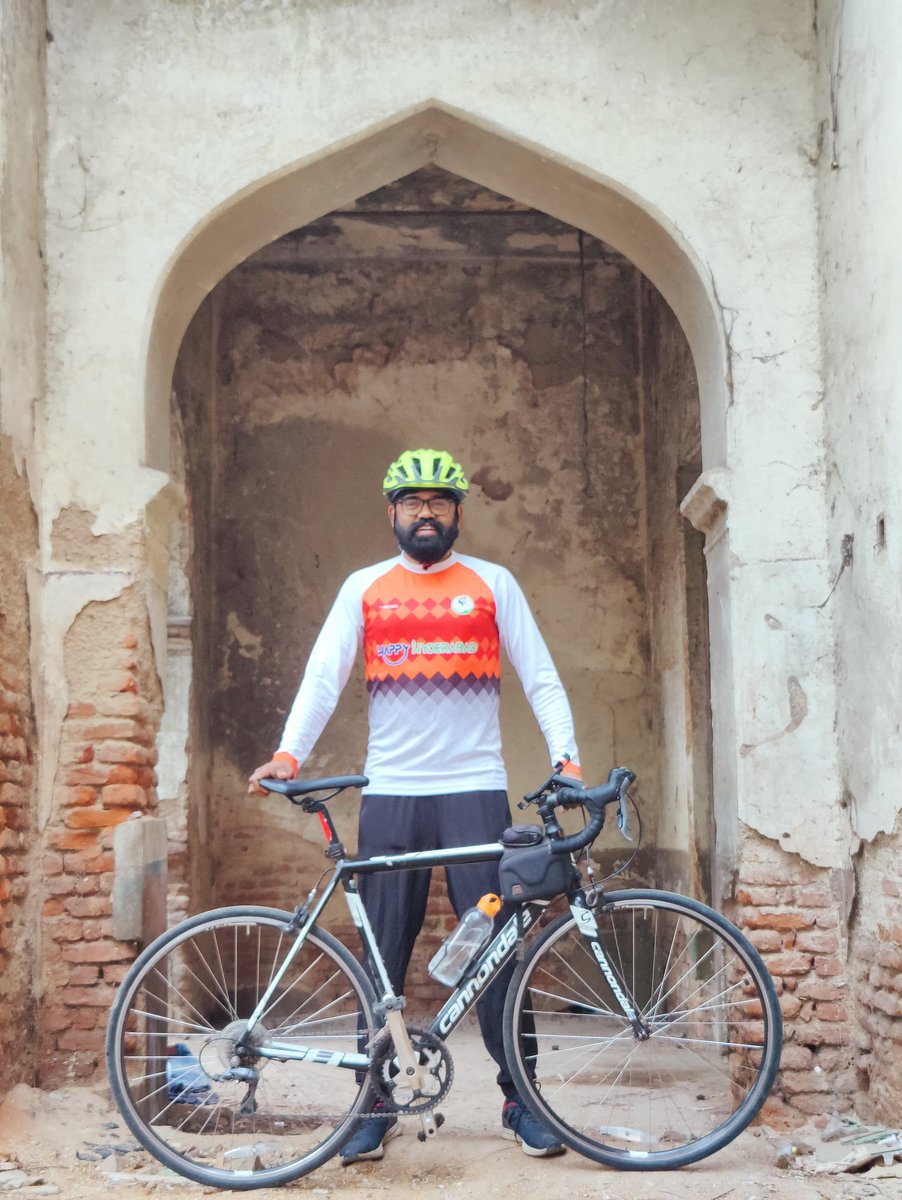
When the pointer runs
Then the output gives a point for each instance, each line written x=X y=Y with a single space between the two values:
x=434 y=569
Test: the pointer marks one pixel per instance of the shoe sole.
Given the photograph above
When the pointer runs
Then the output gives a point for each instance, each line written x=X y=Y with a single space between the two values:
x=533 y=1151
x=375 y=1154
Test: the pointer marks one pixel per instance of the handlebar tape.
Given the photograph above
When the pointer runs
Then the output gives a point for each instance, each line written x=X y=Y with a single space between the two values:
x=595 y=800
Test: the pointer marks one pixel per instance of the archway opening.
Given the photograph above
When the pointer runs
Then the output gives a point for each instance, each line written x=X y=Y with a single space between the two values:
x=434 y=311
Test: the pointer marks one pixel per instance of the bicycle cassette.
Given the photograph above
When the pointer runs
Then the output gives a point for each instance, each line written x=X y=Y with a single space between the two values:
x=432 y=1054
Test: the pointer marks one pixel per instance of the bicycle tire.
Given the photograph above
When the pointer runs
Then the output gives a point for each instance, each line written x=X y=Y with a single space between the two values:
x=176 y=1017
x=710 y=1010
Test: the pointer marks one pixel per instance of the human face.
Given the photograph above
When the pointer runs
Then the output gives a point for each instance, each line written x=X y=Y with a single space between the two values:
x=424 y=535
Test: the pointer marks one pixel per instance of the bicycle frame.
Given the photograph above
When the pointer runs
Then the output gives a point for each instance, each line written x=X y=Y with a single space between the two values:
x=499 y=951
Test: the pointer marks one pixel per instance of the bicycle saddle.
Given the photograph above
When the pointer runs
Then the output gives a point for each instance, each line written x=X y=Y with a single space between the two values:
x=303 y=787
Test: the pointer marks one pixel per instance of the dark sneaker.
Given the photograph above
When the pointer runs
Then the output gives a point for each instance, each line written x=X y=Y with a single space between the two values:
x=518 y=1124
x=367 y=1143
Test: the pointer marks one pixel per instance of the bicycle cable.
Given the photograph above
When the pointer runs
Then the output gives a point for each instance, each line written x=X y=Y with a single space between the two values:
x=621 y=870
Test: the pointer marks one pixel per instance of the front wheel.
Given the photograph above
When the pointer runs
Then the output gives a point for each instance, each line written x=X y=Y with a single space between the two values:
x=178 y=1030
x=702 y=1061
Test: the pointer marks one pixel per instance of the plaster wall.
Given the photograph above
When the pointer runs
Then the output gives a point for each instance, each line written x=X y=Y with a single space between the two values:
x=189 y=96
x=860 y=174
x=21 y=385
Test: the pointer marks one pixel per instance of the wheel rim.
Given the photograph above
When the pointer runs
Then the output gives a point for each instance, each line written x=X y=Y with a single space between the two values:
x=182 y=1022
x=707 y=1062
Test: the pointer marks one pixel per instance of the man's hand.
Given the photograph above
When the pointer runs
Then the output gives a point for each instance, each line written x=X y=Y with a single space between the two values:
x=278 y=767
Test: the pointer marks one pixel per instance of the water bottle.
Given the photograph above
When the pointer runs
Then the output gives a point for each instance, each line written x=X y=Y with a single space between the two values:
x=466 y=942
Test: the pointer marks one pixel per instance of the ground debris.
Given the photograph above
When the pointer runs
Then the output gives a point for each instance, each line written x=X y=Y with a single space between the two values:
x=844 y=1146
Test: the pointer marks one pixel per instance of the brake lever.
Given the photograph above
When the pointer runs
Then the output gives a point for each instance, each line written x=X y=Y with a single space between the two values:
x=623 y=813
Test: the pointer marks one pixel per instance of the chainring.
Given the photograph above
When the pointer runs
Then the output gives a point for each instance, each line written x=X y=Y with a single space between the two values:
x=431 y=1053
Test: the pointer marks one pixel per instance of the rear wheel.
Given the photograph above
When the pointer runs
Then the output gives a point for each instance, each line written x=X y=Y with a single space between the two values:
x=179 y=1022
x=710 y=1040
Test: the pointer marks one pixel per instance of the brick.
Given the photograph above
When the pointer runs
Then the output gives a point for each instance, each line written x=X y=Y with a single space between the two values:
x=790 y=1006
x=76 y=797
x=796 y=1058
x=828 y=966
x=892 y=887
x=121 y=773
x=124 y=794
x=87 y=887
x=831 y=1012
x=123 y=728
x=53 y=908
x=60 y=885
x=89 y=906
x=74 y=840
x=85 y=1018
x=80 y=754
x=65 y=929
x=101 y=996
x=789 y=964
x=90 y=862
x=98 y=952
x=769 y=919
x=890 y=957
x=55 y=1021
x=115 y=972
x=10 y=839
x=93 y=774
x=81 y=1039
x=762 y=896
x=83 y=976
x=80 y=709
x=817 y=942
x=93 y=818
x=125 y=752
x=821 y=989
x=11 y=795
x=818 y=1034
x=794 y=1082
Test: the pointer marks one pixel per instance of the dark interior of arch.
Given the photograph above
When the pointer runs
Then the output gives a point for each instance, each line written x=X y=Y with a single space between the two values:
x=435 y=312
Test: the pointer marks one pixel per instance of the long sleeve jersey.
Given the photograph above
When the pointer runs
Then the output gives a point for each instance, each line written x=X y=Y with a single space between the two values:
x=431 y=641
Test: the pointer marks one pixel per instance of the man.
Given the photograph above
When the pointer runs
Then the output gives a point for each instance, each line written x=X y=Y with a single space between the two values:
x=432 y=623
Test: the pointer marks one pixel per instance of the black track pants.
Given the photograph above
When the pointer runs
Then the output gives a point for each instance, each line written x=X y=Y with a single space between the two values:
x=396 y=901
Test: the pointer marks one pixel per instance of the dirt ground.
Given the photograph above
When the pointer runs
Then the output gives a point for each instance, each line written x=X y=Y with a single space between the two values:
x=42 y=1134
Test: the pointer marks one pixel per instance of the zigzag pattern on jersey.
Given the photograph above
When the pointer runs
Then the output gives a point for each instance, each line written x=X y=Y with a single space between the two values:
x=422 y=685
x=403 y=610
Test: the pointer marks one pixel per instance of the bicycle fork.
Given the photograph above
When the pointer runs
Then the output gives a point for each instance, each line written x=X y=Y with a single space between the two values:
x=588 y=927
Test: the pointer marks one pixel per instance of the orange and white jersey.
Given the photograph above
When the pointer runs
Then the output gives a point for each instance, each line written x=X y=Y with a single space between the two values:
x=431 y=641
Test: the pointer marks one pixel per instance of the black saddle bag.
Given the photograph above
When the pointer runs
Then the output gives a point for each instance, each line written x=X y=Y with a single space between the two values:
x=528 y=870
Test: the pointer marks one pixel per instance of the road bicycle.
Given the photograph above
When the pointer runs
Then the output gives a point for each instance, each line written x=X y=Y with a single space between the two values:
x=246 y=1044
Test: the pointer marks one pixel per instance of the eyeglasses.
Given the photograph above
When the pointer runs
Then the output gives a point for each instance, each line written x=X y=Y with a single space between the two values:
x=438 y=506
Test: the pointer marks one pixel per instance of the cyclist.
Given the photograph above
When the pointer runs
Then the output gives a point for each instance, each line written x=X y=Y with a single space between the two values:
x=432 y=623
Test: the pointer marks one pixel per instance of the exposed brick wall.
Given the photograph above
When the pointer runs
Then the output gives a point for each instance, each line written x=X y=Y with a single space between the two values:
x=795 y=915
x=17 y=739
x=105 y=774
x=876 y=968
x=16 y=790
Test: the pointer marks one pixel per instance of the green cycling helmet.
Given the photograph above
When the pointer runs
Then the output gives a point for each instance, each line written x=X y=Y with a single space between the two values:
x=426 y=469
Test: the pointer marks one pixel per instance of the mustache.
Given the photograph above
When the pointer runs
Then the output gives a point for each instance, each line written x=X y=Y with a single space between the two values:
x=422 y=524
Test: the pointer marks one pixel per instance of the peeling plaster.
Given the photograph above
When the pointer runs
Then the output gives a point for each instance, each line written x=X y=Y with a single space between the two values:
x=57 y=597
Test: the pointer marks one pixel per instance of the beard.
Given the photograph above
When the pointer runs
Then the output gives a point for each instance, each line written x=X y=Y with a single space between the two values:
x=427 y=550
